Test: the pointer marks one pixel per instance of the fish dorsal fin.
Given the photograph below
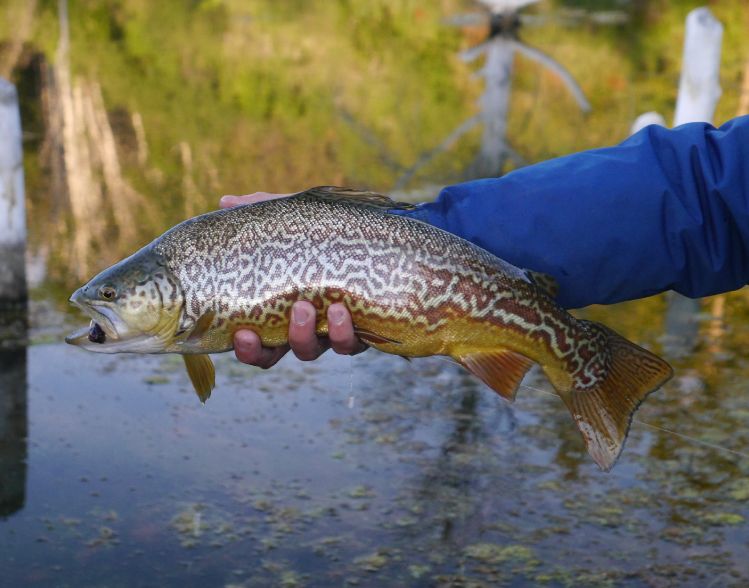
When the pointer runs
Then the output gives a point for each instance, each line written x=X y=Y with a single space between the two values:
x=202 y=374
x=502 y=370
x=356 y=197
x=544 y=282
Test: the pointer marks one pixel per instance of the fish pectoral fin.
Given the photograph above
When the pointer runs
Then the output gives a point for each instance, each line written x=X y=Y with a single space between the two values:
x=204 y=323
x=603 y=412
x=502 y=370
x=373 y=338
x=202 y=374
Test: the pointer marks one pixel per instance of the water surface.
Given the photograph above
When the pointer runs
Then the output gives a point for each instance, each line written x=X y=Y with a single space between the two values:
x=366 y=471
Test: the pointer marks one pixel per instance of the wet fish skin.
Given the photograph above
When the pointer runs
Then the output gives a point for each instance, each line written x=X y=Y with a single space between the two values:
x=412 y=290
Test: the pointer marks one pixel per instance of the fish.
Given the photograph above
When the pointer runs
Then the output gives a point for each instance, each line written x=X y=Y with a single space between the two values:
x=412 y=289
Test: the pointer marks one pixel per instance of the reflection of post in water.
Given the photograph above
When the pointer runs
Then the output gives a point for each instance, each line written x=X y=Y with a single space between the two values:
x=13 y=425
x=450 y=489
x=699 y=92
x=499 y=51
x=13 y=431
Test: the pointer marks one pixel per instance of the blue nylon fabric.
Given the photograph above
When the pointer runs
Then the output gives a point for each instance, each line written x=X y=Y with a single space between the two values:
x=665 y=209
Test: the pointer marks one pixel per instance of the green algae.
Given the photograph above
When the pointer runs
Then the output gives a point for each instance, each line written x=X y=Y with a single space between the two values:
x=498 y=554
x=723 y=518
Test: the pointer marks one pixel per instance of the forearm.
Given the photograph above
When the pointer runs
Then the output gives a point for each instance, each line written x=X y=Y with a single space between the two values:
x=666 y=209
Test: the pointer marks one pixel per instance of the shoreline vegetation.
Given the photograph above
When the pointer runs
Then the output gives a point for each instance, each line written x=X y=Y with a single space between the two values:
x=131 y=126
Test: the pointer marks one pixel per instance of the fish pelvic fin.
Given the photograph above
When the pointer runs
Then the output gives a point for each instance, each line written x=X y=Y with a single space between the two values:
x=502 y=370
x=202 y=375
x=370 y=337
x=603 y=412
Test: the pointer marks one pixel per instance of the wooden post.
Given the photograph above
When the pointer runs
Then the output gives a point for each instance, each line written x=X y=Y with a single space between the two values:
x=495 y=105
x=12 y=201
x=13 y=395
x=645 y=120
x=699 y=88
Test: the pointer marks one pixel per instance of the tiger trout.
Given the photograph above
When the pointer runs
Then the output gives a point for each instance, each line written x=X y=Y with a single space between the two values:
x=412 y=289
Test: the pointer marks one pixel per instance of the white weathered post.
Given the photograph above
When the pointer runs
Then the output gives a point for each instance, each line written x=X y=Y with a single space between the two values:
x=13 y=395
x=645 y=120
x=699 y=88
x=495 y=104
x=12 y=201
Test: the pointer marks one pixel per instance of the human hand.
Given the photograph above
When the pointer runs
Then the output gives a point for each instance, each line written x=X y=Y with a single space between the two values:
x=303 y=340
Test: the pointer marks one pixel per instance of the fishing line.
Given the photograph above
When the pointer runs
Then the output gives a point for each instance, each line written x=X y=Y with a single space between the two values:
x=661 y=429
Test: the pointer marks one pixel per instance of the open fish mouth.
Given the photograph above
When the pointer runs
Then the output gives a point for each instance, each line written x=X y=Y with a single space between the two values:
x=102 y=328
x=96 y=334
x=107 y=332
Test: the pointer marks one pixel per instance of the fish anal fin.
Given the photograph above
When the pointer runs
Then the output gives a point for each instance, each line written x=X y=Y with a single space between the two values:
x=603 y=412
x=374 y=338
x=502 y=370
x=202 y=374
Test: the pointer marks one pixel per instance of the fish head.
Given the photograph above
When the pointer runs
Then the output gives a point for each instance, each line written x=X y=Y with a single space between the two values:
x=134 y=306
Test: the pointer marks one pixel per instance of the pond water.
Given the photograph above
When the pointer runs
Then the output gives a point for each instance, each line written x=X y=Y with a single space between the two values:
x=363 y=471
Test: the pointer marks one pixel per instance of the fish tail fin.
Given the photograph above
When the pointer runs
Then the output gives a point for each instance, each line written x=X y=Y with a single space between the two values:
x=501 y=369
x=603 y=411
x=202 y=374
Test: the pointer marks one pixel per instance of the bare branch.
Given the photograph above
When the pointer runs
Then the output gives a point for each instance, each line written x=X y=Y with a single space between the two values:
x=547 y=61
x=425 y=158
x=474 y=52
x=370 y=139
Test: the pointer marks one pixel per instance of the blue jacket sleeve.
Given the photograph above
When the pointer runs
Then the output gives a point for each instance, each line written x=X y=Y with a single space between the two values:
x=665 y=209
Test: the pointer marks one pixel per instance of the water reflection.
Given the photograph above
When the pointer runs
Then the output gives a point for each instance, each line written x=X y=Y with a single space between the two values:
x=13 y=431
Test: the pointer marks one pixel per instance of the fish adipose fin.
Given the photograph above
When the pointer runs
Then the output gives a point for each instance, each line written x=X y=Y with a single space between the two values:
x=360 y=197
x=544 y=282
x=202 y=374
x=501 y=370
x=603 y=413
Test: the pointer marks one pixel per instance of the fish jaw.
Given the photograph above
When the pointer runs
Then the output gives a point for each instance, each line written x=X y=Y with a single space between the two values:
x=107 y=332
x=106 y=317
x=140 y=343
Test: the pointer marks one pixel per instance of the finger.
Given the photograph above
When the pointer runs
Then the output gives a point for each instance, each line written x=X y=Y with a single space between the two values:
x=302 y=337
x=249 y=349
x=230 y=201
x=341 y=331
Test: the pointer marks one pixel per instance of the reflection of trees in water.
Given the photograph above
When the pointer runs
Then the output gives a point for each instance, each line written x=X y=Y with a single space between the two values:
x=453 y=484
x=13 y=431
x=465 y=463
x=498 y=51
x=82 y=154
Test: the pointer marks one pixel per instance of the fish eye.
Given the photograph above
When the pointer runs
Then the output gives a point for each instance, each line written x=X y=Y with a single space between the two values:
x=107 y=292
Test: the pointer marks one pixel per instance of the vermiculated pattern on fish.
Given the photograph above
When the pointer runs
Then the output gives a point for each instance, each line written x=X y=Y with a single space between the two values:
x=412 y=290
